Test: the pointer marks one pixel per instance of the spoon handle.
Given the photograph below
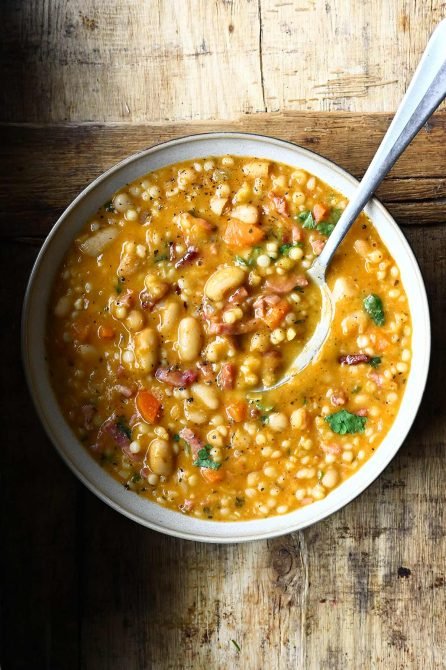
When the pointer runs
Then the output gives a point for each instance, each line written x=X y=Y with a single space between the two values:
x=426 y=91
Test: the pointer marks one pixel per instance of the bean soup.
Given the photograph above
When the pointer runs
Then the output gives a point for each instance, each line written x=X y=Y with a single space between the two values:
x=187 y=292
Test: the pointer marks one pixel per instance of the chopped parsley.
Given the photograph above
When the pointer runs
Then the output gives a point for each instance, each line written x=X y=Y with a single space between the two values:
x=118 y=287
x=307 y=219
x=285 y=248
x=335 y=215
x=344 y=422
x=123 y=426
x=239 y=502
x=236 y=645
x=204 y=459
x=163 y=257
x=375 y=361
x=374 y=307
x=109 y=207
x=325 y=228
x=241 y=261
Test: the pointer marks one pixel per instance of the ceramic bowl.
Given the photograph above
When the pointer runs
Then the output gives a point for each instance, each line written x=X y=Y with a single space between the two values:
x=33 y=338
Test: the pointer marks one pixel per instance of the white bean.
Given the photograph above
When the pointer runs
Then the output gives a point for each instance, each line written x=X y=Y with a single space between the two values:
x=147 y=349
x=206 y=394
x=222 y=281
x=161 y=457
x=189 y=339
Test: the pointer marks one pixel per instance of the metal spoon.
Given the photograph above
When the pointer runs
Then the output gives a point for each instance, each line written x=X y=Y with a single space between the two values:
x=426 y=91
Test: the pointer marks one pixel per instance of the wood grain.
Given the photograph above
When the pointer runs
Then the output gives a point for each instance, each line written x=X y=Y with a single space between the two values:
x=85 y=587
x=169 y=60
x=414 y=192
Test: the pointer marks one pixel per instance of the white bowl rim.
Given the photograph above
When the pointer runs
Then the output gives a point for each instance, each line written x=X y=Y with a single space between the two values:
x=205 y=530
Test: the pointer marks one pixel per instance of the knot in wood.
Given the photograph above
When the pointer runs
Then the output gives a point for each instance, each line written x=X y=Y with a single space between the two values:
x=282 y=561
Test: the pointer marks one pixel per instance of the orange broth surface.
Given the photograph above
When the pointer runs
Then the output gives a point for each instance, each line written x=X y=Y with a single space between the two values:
x=186 y=293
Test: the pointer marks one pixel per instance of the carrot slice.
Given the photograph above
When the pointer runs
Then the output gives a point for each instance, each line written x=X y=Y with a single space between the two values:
x=319 y=212
x=147 y=405
x=237 y=411
x=106 y=333
x=239 y=234
x=212 y=476
x=276 y=314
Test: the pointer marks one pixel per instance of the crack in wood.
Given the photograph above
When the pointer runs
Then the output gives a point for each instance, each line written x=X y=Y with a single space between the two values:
x=262 y=77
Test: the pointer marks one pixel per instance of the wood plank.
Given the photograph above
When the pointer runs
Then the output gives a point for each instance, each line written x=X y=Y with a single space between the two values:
x=41 y=509
x=115 y=60
x=33 y=183
x=98 y=591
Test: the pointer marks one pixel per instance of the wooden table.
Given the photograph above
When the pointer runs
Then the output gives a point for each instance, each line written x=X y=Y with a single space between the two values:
x=83 y=587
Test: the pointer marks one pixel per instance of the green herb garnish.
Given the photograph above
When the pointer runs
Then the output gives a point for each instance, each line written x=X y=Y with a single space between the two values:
x=237 y=646
x=335 y=215
x=109 y=207
x=241 y=261
x=123 y=426
x=176 y=438
x=307 y=219
x=375 y=361
x=344 y=422
x=356 y=388
x=325 y=228
x=285 y=248
x=239 y=502
x=163 y=257
x=374 y=307
x=204 y=459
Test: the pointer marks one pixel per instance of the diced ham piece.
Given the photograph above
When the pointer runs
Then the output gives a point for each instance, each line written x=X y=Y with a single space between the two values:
x=239 y=296
x=285 y=283
x=338 y=398
x=362 y=412
x=88 y=412
x=112 y=428
x=176 y=377
x=296 y=234
x=354 y=359
x=263 y=302
x=216 y=327
x=226 y=376
x=377 y=378
x=333 y=449
x=191 y=254
x=192 y=440
x=317 y=245
x=280 y=204
x=187 y=506
x=206 y=372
